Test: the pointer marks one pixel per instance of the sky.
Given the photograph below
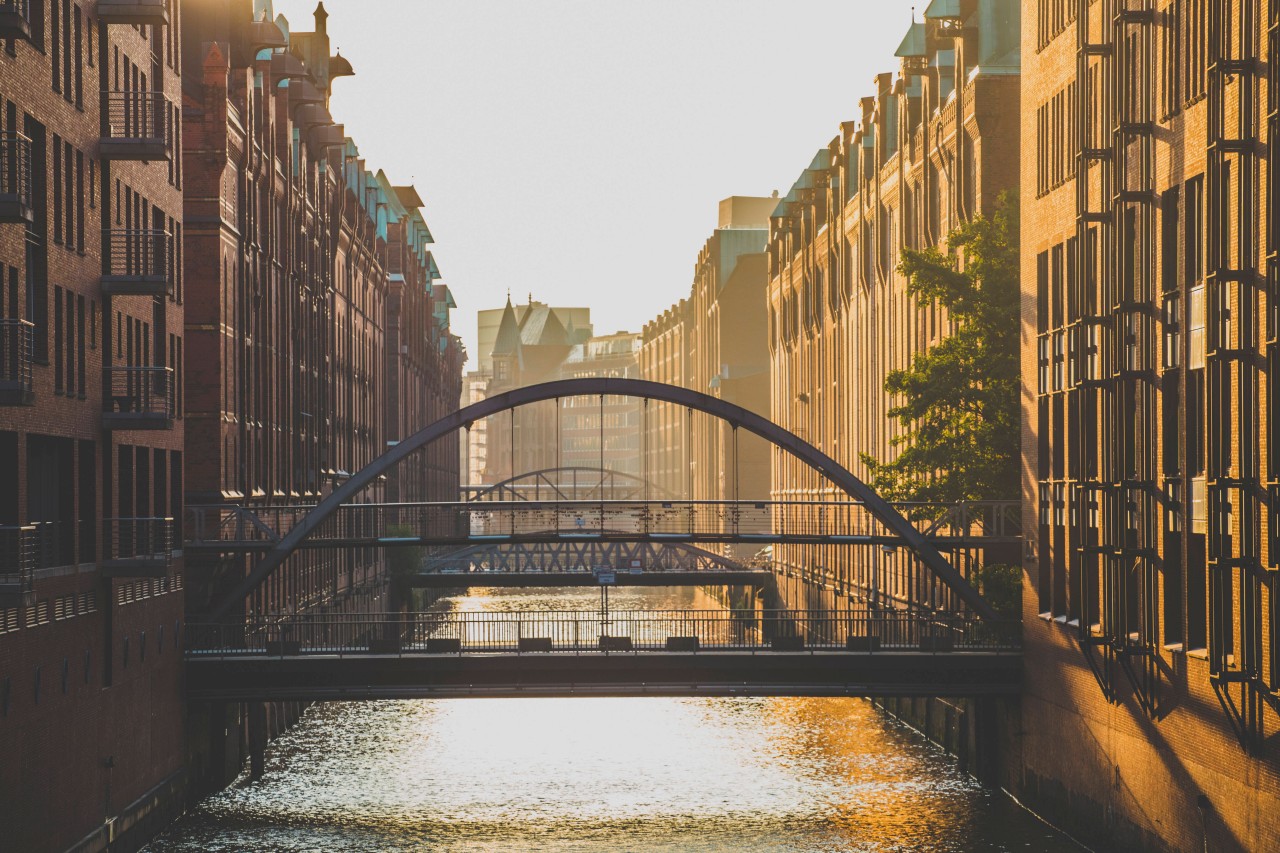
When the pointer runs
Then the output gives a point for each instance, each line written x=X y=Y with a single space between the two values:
x=576 y=150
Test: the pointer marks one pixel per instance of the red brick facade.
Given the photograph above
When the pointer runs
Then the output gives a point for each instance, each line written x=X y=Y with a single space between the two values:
x=91 y=432
x=192 y=255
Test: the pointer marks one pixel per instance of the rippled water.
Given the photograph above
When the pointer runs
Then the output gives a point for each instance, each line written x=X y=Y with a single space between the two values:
x=605 y=774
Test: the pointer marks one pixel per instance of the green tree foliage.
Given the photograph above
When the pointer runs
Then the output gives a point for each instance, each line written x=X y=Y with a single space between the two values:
x=958 y=400
x=1001 y=585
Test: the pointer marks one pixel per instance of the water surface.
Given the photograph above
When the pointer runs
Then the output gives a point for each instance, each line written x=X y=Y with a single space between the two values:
x=598 y=774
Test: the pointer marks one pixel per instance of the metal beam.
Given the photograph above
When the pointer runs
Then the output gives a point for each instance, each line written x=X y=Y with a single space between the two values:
x=611 y=386
x=697 y=577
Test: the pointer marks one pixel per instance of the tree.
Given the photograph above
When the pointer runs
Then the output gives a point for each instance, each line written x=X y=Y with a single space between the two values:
x=958 y=400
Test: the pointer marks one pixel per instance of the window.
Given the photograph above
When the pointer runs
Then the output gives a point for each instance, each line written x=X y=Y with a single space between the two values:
x=57 y=187
x=57 y=340
x=1195 y=329
x=71 y=343
x=55 y=52
x=79 y=196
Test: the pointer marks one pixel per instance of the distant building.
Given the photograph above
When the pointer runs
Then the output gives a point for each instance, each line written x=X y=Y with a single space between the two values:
x=716 y=342
x=489 y=320
x=530 y=344
x=602 y=432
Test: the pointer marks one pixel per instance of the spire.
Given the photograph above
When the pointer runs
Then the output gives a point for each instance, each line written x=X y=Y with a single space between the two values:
x=508 y=339
x=321 y=18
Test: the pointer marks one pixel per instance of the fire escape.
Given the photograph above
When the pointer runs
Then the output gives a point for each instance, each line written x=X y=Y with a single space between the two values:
x=1117 y=506
x=1273 y=333
x=1234 y=488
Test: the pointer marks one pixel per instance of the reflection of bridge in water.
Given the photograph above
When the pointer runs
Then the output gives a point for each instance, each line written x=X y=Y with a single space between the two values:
x=614 y=653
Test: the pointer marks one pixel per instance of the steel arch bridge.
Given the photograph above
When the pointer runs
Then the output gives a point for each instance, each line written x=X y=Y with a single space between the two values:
x=904 y=531
x=577 y=482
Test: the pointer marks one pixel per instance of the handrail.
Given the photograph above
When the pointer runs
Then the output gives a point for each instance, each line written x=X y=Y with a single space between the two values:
x=868 y=631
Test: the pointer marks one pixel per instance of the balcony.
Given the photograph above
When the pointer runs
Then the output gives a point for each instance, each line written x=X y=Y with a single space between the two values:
x=150 y=12
x=138 y=263
x=138 y=548
x=138 y=398
x=136 y=126
x=16 y=341
x=17 y=565
x=15 y=177
x=15 y=19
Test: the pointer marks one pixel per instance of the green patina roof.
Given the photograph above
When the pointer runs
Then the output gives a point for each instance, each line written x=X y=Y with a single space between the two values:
x=943 y=9
x=913 y=43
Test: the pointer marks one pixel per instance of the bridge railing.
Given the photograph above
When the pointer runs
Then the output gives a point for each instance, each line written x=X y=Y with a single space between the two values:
x=578 y=632
x=740 y=520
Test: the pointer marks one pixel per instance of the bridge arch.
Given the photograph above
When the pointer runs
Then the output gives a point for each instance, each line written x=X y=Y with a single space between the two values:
x=736 y=416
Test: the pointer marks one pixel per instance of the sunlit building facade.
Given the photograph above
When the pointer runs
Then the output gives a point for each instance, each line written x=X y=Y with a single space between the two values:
x=933 y=146
x=714 y=341
x=1149 y=352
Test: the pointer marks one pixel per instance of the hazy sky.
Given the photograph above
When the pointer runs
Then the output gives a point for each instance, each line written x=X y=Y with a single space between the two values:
x=576 y=149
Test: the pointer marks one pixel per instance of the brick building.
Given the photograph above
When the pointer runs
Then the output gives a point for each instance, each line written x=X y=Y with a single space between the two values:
x=1152 y=626
x=933 y=145
x=714 y=341
x=91 y=429
x=423 y=358
x=318 y=332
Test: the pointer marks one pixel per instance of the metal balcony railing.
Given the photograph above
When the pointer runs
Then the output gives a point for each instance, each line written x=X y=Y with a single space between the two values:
x=138 y=263
x=138 y=547
x=135 y=126
x=149 y=12
x=139 y=398
x=15 y=19
x=17 y=339
x=17 y=564
x=15 y=178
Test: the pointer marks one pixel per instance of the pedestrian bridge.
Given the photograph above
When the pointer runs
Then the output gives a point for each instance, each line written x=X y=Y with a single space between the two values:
x=602 y=653
x=361 y=525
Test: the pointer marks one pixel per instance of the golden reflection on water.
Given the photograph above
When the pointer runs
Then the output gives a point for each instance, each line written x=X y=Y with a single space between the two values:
x=596 y=774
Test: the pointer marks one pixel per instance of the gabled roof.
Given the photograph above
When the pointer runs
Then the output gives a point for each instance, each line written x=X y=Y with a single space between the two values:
x=541 y=327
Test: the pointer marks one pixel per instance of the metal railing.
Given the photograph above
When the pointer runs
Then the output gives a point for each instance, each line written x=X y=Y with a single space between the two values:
x=17 y=559
x=140 y=391
x=17 y=342
x=139 y=256
x=579 y=632
x=828 y=521
x=15 y=15
x=15 y=167
x=133 y=116
x=142 y=539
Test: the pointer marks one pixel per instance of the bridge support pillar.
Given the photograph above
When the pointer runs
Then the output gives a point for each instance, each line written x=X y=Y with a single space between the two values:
x=257 y=717
x=986 y=740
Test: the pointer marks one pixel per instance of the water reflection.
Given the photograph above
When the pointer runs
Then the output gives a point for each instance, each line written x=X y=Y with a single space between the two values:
x=605 y=774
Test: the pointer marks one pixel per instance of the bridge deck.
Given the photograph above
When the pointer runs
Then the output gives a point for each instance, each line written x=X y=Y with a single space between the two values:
x=698 y=577
x=601 y=673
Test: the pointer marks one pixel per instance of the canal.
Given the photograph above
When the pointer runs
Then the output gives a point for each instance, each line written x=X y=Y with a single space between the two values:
x=605 y=774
